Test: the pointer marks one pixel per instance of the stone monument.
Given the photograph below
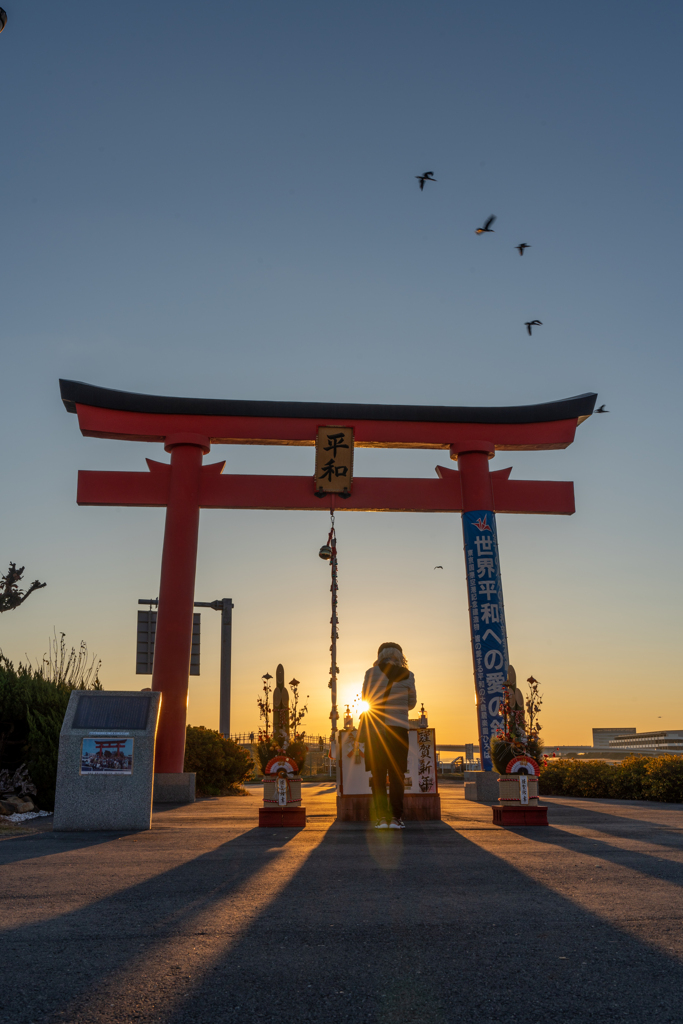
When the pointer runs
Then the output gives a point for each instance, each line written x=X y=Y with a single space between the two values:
x=280 y=708
x=105 y=768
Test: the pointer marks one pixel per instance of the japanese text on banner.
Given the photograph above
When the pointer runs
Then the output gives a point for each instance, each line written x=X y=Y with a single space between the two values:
x=487 y=624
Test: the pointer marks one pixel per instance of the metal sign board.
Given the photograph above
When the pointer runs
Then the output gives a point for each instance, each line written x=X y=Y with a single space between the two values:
x=147 y=627
x=112 y=711
x=334 y=460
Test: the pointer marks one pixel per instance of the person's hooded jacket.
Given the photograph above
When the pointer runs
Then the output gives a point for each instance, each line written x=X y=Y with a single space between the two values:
x=402 y=697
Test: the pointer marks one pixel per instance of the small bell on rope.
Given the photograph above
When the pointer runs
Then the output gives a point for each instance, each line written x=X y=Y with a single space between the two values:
x=325 y=552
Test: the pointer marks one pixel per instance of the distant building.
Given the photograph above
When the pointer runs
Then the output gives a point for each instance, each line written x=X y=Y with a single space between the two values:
x=663 y=742
x=603 y=737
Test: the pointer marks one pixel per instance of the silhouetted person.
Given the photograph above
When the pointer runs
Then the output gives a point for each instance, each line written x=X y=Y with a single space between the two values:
x=389 y=689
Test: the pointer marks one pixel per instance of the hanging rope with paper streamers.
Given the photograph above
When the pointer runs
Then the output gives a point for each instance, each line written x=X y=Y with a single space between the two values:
x=328 y=552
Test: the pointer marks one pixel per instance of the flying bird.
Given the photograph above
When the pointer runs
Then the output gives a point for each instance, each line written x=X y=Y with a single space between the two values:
x=602 y=409
x=520 y=248
x=438 y=567
x=486 y=227
x=532 y=323
x=427 y=176
x=267 y=676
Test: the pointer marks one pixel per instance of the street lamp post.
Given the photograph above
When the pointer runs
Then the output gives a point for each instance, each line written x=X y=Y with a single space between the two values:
x=225 y=607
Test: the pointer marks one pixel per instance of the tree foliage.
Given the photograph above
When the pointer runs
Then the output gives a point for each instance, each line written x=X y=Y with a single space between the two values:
x=296 y=716
x=264 y=706
x=10 y=594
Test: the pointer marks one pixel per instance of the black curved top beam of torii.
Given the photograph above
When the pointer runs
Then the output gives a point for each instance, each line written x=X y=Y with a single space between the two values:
x=103 y=412
x=76 y=393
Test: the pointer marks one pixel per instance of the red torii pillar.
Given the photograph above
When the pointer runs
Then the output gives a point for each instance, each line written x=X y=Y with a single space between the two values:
x=173 y=641
x=187 y=427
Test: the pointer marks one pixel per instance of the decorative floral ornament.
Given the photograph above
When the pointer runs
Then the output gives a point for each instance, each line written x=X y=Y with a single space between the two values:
x=281 y=761
x=517 y=764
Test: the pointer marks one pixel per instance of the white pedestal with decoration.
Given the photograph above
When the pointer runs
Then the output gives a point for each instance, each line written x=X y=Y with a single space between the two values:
x=518 y=795
x=282 y=795
x=354 y=794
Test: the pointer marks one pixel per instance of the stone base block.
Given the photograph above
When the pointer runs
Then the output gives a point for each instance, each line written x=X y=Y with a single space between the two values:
x=520 y=815
x=482 y=787
x=104 y=809
x=174 y=787
x=353 y=808
x=282 y=817
x=416 y=807
x=422 y=807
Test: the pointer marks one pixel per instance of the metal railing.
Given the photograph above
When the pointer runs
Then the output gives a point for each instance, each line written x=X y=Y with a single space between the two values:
x=458 y=764
x=311 y=741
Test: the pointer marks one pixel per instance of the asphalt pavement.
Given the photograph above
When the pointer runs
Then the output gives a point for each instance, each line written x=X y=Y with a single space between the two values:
x=209 y=919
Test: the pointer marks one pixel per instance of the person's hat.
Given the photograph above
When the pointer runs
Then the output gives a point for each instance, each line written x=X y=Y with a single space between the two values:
x=383 y=646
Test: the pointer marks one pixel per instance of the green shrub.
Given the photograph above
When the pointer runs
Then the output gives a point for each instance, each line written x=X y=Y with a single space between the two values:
x=221 y=764
x=629 y=780
x=32 y=709
x=552 y=778
x=577 y=778
x=635 y=778
x=664 y=779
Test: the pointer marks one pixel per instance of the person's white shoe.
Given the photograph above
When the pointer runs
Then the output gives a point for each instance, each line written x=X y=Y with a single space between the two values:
x=395 y=823
x=382 y=823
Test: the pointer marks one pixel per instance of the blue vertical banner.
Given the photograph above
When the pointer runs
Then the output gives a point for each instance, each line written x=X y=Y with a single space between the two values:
x=487 y=624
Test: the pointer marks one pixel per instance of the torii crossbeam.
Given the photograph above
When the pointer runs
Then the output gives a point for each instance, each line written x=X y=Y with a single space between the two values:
x=188 y=427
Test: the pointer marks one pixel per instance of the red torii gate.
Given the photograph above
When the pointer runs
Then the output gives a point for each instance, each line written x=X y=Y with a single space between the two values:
x=188 y=427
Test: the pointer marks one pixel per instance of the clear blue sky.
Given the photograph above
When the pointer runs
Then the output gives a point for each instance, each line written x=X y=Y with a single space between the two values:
x=218 y=199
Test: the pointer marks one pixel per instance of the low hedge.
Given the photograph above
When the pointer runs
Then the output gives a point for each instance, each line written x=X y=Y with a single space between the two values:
x=636 y=778
x=221 y=764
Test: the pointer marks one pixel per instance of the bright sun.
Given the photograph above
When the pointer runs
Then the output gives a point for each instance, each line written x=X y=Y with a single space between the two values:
x=364 y=706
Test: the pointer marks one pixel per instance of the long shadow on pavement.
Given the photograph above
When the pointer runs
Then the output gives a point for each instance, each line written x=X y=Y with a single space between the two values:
x=646 y=863
x=28 y=846
x=427 y=926
x=623 y=826
x=72 y=953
